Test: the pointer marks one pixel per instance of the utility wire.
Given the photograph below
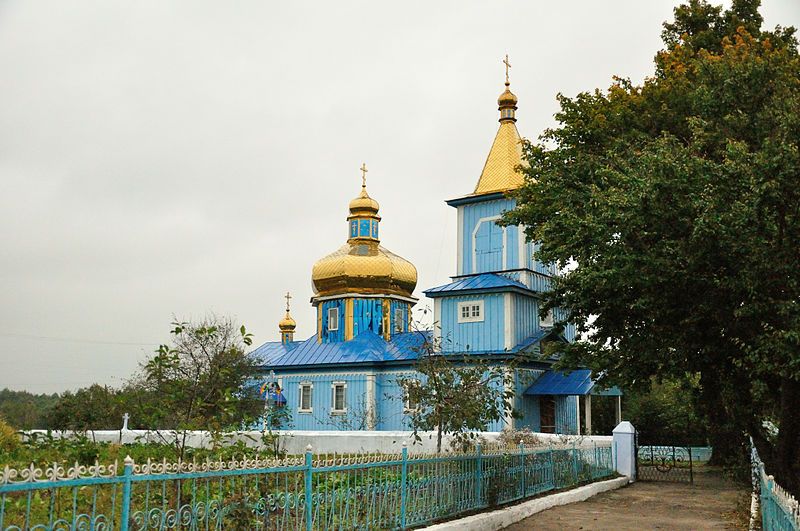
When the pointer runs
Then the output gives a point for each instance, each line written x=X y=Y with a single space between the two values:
x=75 y=340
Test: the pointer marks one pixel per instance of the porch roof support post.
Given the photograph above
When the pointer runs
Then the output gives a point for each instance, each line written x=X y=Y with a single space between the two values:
x=619 y=409
x=587 y=412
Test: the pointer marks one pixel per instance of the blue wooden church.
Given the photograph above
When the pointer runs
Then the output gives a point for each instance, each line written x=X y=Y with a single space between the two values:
x=345 y=376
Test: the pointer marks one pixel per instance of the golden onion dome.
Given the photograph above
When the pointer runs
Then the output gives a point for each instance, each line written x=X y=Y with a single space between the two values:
x=507 y=99
x=287 y=324
x=363 y=266
x=364 y=204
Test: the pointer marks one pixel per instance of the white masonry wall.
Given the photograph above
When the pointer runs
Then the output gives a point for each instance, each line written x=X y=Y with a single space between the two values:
x=295 y=442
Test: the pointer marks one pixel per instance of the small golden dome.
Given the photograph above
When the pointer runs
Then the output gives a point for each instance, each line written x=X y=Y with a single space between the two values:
x=364 y=204
x=507 y=99
x=287 y=324
x=363 y=267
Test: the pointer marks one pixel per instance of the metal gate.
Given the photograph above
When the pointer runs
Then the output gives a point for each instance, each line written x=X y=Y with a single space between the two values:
x=656 y=462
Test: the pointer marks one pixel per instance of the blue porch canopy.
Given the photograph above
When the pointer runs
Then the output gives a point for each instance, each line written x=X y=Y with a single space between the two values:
x=578 y=382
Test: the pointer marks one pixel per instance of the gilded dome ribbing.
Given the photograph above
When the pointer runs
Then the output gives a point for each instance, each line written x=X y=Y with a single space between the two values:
x=287 y=324
x=507 y=99
x=364 y=204
x=362 y=265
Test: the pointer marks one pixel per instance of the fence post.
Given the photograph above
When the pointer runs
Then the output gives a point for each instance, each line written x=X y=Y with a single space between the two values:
x=575 y=462
x=552 y=468
x=522 y=467
x=766 y=503
x=403 y=485
x=625 y=450
x=479 y=476
x=309 y=495
x=126 y=494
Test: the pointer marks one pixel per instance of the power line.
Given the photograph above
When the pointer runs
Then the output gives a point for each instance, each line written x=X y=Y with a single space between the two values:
x=75 y=340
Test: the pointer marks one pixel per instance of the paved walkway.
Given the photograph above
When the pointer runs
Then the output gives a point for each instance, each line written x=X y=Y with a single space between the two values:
x=712 y=503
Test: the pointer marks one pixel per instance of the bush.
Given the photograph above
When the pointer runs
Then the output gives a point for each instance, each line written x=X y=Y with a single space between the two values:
x=9 y=438
x=512 y=437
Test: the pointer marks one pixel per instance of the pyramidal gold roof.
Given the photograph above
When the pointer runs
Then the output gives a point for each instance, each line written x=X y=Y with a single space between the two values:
x=499 y=173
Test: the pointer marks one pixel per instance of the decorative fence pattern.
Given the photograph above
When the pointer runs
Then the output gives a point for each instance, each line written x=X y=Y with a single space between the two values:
x=310 y=492
x=780 y=511
x=664 y=463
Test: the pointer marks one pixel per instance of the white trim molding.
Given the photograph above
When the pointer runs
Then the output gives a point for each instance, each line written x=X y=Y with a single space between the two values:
x=334 y=386
x=474 y=268
x=508 y=321
x=474 y=311
x=310 y=386
x=460 y=241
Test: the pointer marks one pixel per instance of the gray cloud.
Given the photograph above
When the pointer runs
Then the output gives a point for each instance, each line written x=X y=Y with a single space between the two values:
x=161 y=158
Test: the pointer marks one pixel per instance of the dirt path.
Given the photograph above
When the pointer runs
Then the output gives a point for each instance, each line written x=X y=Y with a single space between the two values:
x=712 y=503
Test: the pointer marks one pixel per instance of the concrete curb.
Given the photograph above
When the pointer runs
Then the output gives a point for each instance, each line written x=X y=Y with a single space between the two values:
x=505 y=517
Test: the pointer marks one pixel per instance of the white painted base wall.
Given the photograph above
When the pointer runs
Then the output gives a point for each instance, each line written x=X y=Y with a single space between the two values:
x=325 y=442
x=510 y=515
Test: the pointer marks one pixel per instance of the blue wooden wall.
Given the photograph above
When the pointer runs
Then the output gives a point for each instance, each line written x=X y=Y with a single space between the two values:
x=320 y=418
x=367 y=316
x=329 y=336
x=526 y=317
x=471 y=216
x=486 y=241
x=483 y=336
x=567 y=414
x=389 y=401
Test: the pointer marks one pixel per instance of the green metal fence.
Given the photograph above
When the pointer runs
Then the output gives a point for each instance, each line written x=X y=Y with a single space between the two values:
x=780 y=511
x=308 y=492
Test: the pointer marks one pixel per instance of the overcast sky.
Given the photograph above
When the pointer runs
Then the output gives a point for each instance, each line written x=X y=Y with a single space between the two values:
x=179 y=158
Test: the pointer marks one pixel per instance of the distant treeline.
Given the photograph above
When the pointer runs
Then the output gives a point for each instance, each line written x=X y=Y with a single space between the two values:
x=25 y=410
x=89 y=408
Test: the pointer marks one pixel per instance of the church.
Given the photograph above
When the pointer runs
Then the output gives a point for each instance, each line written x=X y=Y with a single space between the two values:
x=345 y=377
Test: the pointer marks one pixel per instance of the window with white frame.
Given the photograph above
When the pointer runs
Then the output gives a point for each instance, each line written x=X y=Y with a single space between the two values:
x=398 y=320
x=470 y=311
x=333 y=319
x=339 y=397
x=306 y=395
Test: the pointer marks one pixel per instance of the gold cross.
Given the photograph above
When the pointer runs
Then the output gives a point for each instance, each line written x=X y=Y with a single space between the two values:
x=287 y=297
x=508 y=65
x=364 y=174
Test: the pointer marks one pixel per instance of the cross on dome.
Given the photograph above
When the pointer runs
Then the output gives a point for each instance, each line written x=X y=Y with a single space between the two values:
x=364 y=171
x=288 y=298
x=508 y=65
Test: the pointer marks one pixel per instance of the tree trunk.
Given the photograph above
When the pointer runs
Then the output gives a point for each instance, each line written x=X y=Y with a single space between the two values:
x=725 y=433
x=439 y=436
x=787 y=472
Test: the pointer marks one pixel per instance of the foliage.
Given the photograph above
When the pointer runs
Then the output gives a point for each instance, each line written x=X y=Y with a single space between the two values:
x=513 y=437
x=44 y=449
x=200 y=381
x=456 y=395
x=666 y=412
x=359 y=417
x=9 y=438
x=97 y=407
x=26 y=410
x=672 y=207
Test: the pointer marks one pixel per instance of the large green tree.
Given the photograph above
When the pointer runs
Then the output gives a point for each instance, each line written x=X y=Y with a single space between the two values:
x=673 y=207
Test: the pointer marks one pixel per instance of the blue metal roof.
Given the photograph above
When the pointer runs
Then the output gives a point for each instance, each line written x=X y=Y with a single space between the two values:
x=577 y=382
x=367 y=347
x=484 y=281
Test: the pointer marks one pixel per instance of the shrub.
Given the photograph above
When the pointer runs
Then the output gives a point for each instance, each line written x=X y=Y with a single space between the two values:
x=512 y=437
x=9 y=438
